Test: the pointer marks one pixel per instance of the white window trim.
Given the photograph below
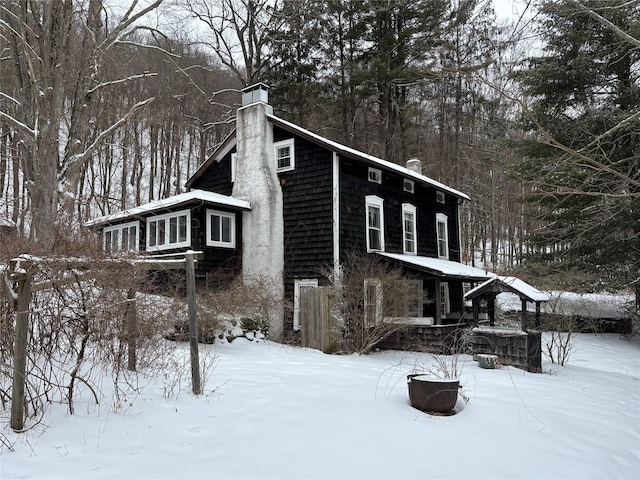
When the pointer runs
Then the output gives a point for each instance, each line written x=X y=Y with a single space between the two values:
x=374 y=201
x=119 y=228
x=442 y=218
x=445 y=303
x=299 y=284
x=410 y=209
x=234 y=166
x=167 y=217
x=408 y=185
x=285 y=143
x=213 y=243
x=374 y=175
x=369 y=322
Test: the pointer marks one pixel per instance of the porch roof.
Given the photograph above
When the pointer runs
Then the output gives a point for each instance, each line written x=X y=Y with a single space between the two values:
x=440 y=267
x=500 y=284
x=209 y=198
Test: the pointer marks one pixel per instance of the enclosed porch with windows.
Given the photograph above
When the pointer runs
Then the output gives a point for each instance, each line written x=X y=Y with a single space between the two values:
x=435 y=321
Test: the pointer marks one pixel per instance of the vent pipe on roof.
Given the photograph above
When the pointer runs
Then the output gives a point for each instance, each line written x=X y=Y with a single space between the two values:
x=414 y=164
x=255 y=93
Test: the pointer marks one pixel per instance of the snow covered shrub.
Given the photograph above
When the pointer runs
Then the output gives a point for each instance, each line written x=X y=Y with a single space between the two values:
x=87 y=321
x=236 y=310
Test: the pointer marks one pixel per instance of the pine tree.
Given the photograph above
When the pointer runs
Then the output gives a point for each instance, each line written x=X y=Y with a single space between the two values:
x=584 y=125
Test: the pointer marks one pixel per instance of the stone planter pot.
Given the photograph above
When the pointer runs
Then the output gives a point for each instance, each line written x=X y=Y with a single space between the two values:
x=431 y=394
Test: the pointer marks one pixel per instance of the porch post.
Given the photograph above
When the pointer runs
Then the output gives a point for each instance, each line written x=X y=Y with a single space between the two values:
x=491 y=310
x=524 y=314
x=438 y=294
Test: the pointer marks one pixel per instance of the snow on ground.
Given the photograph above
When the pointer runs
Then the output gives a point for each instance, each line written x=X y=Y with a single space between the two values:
x=594 y=305
x=279 y=412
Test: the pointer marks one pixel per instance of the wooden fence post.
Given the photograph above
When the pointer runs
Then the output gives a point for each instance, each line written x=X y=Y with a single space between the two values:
x=20 y=349
x=131 y=329
x=193 y=323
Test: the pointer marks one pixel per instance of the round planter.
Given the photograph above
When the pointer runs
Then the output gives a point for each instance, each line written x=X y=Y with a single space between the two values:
x=431 y=394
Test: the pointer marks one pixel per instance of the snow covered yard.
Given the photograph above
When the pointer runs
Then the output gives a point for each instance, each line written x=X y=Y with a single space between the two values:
x=273 y=411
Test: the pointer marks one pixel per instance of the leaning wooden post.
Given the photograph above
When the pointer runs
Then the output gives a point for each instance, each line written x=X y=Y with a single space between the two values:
x=131 y=328
x=20 y=348
x=193 y=323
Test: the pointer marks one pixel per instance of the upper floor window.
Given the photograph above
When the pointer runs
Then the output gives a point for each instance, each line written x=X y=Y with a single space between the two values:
x=121 y=238
x=285 y=155
x=443 y=235
x=408 y=185
x=375 y=175
x=440 y=197
x=375 y=223
x=409 y=236
x=170 y=230
x=221 y=229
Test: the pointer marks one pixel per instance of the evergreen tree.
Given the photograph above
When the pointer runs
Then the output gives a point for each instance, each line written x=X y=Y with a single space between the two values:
x=584 y=122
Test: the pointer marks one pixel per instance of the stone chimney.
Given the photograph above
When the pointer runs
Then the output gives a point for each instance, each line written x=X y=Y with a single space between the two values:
x=257 y=182
x=414 y=164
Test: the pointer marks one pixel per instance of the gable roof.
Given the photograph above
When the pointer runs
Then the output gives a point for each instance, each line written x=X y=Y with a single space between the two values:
x=230 y=141
x=500 y=284
x=441 y=267
x=210 y=198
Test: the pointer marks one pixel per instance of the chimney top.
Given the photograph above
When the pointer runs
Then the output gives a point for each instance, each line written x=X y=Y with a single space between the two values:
x=258 y=92
x=414 y=164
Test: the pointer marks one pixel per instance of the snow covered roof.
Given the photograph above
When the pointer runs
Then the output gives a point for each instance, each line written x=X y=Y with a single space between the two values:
x=441 y=267
x=509 y=284
x=230 y=142
x=351 y=152
x=210 y=198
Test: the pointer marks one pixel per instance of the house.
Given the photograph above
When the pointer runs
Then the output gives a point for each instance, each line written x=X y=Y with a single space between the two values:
x=277 y=201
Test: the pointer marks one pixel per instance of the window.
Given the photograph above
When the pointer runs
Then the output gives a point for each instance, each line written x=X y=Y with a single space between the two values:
x=121 y=238
x=445 y=306
x=169 y=231
x=409 y=229
x=408 y=186
x=375 y=223
x=300 y=285
x=285 y=155
x=408 y=298
x=375 y=175
x=372 y=302
x=443 y=235
x=440 y=197
x=221 y=229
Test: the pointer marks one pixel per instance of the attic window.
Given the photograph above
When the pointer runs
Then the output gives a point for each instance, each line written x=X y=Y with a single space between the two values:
x=375 y=175
x=440 y=197
x=408 y=186
x=285 y=155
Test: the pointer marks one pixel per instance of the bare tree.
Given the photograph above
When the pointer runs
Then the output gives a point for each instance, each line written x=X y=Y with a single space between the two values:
x=237 y=33
x=54 y=52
